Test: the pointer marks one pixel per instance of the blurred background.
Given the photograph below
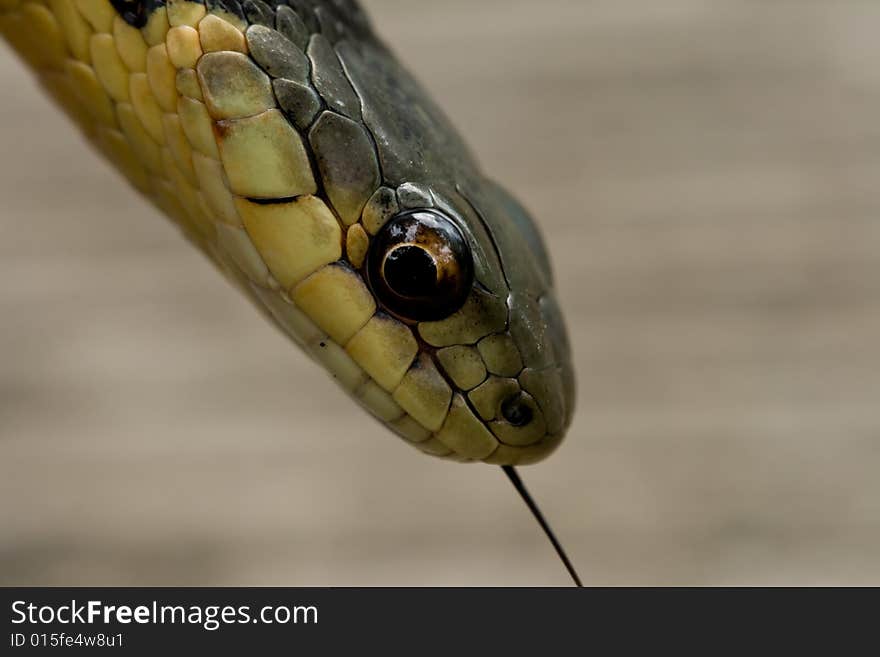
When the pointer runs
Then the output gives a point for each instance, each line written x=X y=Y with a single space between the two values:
x=707 y=174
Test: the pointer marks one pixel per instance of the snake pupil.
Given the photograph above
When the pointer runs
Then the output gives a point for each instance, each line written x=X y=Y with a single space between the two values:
x=410 y=271
x=516 y=411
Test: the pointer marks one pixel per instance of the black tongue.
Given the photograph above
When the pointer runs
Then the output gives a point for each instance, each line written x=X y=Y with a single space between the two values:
x=520 y=487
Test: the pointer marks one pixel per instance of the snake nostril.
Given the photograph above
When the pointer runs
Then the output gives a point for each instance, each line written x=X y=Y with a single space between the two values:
x=516 y=411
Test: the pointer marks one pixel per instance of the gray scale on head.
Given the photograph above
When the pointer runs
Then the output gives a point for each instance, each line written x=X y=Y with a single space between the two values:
x=413 y=195
x=330 y=79
x=299 y=101
x=346 y=159
x=528 y=326
x=380 y=208
x=288 y=22
x=491 y=315
x=306 y=12
x=258 y=12
x=486 y=261
x=331 y=27
x=277 y=55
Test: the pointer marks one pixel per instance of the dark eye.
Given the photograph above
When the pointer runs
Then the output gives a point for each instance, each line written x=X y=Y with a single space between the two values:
x=132 y=12
x=420 y=267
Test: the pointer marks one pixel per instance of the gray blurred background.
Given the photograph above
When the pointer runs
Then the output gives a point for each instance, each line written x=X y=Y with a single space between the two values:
x=707 y=176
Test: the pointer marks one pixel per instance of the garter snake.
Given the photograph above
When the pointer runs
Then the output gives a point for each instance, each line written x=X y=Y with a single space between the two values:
x=295 y=151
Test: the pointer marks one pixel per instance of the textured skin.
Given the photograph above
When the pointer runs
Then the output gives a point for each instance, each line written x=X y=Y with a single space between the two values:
x=280 y=138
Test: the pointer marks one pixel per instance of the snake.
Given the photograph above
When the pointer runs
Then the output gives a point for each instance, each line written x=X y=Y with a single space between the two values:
x=292 y=147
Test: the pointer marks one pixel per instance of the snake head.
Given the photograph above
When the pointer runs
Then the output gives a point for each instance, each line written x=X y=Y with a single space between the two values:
x=294 y=149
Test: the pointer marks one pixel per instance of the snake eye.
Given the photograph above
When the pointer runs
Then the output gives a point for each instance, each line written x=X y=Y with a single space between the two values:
x=132 y=12
x=419 y=266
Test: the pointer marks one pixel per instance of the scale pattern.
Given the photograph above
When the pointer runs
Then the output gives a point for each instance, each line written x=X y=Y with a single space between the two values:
x=280 y=138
